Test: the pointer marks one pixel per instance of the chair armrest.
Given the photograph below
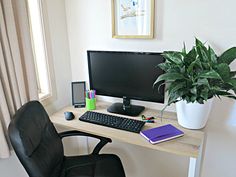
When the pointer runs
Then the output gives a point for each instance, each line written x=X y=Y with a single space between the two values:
x=98 y=147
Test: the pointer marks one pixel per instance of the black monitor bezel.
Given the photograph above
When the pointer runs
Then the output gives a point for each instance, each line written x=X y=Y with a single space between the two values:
x=121 y=96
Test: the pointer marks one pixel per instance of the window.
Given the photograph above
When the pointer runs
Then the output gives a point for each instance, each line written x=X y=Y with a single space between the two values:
x=41 y=53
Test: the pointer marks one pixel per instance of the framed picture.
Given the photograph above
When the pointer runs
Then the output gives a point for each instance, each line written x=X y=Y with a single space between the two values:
x=78 y=94
x=132 y=18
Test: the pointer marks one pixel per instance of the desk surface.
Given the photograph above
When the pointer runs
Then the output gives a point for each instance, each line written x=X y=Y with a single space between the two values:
x=188 y=145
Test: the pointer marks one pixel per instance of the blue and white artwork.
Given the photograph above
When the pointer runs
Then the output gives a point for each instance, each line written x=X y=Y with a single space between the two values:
x=133 y=17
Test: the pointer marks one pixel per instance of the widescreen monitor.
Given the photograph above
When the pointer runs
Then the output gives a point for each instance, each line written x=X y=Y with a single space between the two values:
x=127 y=75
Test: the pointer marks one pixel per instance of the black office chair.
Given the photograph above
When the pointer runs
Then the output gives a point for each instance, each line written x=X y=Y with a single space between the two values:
x=39 y=148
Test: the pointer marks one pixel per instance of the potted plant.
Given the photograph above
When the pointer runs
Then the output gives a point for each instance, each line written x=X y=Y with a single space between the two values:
x=193 y=78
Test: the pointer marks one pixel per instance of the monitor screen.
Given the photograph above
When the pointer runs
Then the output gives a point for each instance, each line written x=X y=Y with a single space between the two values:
x=129 y=74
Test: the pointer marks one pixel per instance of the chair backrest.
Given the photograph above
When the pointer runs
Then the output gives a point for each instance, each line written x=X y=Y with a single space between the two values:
x=36 y=141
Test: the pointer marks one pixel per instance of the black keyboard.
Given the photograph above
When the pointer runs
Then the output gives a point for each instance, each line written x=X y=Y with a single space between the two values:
x=113 y=121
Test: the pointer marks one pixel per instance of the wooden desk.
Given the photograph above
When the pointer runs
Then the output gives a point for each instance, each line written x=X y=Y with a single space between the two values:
x=189 y=145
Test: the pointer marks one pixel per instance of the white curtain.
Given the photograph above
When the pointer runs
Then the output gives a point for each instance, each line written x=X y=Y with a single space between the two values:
x=17 y=72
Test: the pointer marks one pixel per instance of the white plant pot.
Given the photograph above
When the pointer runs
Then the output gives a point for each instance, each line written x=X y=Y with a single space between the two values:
x=193 y=115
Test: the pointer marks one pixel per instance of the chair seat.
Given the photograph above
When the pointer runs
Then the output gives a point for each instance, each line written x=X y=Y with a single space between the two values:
x=103 y=165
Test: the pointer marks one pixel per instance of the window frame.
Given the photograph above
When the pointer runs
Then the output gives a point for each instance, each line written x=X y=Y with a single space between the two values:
x=51 y=96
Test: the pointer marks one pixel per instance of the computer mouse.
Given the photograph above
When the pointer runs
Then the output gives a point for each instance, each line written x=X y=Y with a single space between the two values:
x=69 y=115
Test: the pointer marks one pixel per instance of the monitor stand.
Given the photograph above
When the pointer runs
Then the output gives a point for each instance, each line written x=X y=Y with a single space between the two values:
x=126 y=108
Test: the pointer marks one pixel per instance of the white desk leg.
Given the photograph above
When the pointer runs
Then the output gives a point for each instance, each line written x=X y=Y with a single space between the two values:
x=195 y=164
x=192 y=169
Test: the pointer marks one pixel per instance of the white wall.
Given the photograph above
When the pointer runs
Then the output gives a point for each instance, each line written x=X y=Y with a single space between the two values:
x=89 y=28
x=60 y=54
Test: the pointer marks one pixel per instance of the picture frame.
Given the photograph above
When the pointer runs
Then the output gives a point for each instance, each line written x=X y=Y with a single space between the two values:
x=133 y=18
x=78 y=93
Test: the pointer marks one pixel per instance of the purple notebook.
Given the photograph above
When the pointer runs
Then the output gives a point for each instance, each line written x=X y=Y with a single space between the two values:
x=160 y=134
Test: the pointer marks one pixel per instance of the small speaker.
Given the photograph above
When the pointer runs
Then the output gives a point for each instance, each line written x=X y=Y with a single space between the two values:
x=78 y=94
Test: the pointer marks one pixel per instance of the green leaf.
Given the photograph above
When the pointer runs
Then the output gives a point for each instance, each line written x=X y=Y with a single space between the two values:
x=212 y=55
x=176 y=86
x=169 y=77
x=188 y=99
x=215 y=89
x=160 y=85
x=232 y=73
x=226 y=94
x=226 y=86
x=164 y=66
x=172 y=56
x=223 y=70
x=193 y=98
x=231 y=96
x=204 y=93
x=206 y=66
x=222 y=93
x=184 y=50
x=174 y=97
x=200 y=100
x=201 y=50
x=193 y=90
x=193 y=64
x=183 y=70
x=198 y=42
x=228 y=56
x=232 y=82
x=200 y=82
x=210 y=75
x=190 y=57
x=202 y=53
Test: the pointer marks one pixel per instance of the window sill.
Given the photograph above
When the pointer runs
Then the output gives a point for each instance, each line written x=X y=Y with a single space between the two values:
x=43 y=96
x=46 y=98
